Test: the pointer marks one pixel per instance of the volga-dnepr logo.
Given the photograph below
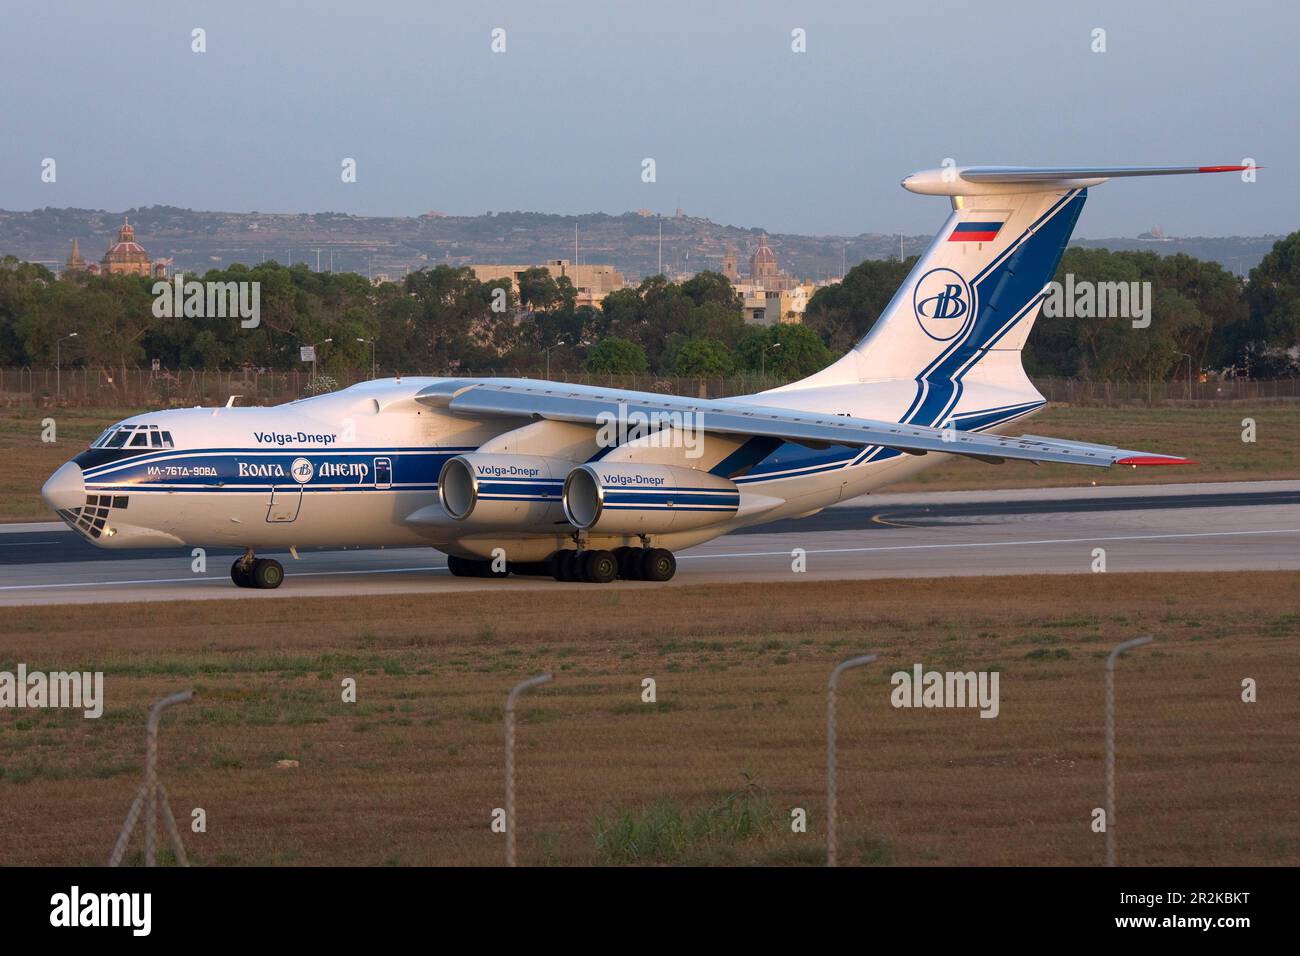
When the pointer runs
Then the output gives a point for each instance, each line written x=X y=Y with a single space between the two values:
x=302 y=470
x=942 y=302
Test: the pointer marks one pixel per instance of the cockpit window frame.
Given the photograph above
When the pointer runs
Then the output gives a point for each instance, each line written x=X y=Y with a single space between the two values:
x=135 y=437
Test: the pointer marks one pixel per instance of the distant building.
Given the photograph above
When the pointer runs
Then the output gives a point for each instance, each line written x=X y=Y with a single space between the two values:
x=75 y=263
x=729 y=265
x=768 y=295
x=592 y=283
x=764 y=272
x=774 y=306
x=123 y=257
x=1156 y=234
x=126 y=257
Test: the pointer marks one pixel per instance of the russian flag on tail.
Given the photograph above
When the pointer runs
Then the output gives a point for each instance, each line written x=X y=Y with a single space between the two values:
x=975 y=232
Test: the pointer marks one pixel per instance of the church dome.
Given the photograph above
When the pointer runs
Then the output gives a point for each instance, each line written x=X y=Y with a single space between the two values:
x=126 y=256
x=763 y=262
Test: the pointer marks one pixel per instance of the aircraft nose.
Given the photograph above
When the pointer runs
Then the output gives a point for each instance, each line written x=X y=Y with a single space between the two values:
x=66 y=488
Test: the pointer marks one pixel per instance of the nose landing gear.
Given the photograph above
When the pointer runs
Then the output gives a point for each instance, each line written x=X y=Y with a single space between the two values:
x=252 y=572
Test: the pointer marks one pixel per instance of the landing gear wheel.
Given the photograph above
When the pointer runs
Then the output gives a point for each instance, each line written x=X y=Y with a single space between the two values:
x=553 y=564
x=473 y=568
x=564 y=565
x=629 y=563
x=239 y=574
x=266 y=574
x=658 y=564
x=599 y=567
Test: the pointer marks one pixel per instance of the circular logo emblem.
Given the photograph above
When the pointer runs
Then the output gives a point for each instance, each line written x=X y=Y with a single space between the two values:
x=302 y=470
x=942 y=301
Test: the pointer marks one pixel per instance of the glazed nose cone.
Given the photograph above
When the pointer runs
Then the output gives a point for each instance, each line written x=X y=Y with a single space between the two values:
x=66 y=488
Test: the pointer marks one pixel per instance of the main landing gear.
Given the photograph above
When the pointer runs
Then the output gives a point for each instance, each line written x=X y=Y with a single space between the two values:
x=601 y=567
x=474 y=568
x=567 y=564
x=251 y=572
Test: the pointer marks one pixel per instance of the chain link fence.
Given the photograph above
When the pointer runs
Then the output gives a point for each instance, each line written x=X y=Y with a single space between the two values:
x=722 y=759
x=725 y=776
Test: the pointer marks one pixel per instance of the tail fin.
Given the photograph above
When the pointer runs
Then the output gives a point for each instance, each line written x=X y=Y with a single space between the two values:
x=964 y=313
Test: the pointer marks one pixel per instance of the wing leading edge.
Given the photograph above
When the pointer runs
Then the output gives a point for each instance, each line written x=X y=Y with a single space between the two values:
x=588 y=405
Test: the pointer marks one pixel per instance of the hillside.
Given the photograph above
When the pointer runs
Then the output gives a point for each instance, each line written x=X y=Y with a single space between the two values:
x=630 y=242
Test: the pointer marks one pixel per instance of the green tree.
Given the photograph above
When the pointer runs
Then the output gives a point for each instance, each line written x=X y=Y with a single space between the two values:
x=711 y=287
x=1273 y=300
x=538 y=289
x=1194 y=307
x=843 y=312
x=618 y=357
x=787 y=350
x=705 y=358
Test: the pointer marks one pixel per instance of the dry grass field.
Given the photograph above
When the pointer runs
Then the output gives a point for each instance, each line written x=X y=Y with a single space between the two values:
x=26 y=461
x=411 y=772
x=1212 y=436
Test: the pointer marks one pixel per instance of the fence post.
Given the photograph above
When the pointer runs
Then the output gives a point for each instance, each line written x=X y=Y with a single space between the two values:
x=510 y=758
x=1110 y=740
x=147 y=795
x=831 y=848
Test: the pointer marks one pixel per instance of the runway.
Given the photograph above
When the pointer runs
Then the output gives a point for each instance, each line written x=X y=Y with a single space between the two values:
x=1239 y=526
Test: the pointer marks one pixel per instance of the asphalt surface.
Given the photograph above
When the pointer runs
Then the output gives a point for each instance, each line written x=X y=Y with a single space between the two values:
x=1206 y=527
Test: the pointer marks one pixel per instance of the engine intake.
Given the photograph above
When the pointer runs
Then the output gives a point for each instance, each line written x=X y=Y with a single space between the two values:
x=628 y=498
x=498 y=491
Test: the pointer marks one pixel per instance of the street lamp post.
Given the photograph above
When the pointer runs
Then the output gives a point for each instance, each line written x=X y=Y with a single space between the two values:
x=1189 y=374
x=548 y=355
x=58 y=364
x=762 y=358
x=371 y=343
x=313 y=356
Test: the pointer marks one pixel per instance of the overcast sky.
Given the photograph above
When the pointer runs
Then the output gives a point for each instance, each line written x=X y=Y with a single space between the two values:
x=742 y=129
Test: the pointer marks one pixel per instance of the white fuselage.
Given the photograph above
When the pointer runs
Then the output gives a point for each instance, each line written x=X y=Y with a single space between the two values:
x=360 y=468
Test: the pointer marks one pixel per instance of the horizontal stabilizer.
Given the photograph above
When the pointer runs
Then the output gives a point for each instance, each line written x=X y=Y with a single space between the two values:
x=993 y=180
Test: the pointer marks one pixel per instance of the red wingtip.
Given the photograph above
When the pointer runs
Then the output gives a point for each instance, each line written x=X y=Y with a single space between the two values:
x=1226 y=169
x=1137 y=460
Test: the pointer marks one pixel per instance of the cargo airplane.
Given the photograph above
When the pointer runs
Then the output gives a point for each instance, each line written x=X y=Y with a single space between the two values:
x=588 y=483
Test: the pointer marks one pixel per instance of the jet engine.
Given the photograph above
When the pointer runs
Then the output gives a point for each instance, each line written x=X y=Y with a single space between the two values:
x=503 y=491
x=631 y=498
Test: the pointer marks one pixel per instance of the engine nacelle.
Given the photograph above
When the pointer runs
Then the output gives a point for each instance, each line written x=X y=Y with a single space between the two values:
x=503 y=491
x=631 y=498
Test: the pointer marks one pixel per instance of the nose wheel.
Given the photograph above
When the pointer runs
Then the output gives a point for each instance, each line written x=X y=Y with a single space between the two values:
x=262 y=573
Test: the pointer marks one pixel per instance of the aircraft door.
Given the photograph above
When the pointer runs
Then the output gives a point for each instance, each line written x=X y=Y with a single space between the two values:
x=285 y=502
x=383 y=473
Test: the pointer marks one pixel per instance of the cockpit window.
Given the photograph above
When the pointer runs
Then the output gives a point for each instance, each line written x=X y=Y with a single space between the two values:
x=134 y=436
